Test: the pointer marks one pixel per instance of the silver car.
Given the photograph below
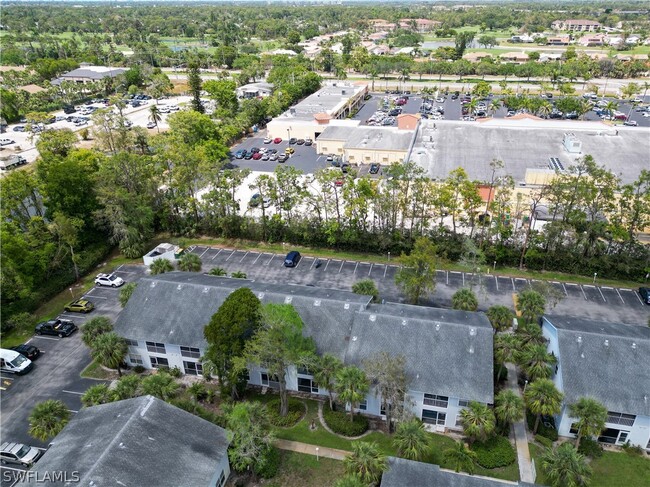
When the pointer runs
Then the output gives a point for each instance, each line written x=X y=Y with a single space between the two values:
x=20 y=454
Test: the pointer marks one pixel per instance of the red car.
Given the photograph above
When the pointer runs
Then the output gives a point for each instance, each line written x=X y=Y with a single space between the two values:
x=277 y=140
x=338 y=183
x=257 y=156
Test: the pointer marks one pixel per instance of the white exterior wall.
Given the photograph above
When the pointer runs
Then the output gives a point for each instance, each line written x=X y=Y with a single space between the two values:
x=452 y=410
x=172 y=354
x=223 y=466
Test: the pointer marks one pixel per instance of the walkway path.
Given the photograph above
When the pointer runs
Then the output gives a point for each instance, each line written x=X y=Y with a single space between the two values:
x=526 y=469
x=319 y=451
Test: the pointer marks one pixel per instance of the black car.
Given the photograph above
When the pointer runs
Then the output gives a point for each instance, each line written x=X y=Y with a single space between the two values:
x=29 y=351
x=345 y=167
x=292 y=141
x=57 y=327
x=374 y=168
x=645 y=294
x=255 y=150
x=300 y=141
x=68 y=109
x=248 y=155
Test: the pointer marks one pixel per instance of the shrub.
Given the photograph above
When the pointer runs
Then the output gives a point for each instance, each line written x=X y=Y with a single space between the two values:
x=267 y=466
x=495 y=452
x=339 y=422
x=296 y=411
x=20 y=320
x=175 y=372
x=198 y=391
x=542 y=430
x=590 y=448
x=632 y=449
x=544 y=441
x=138 y=369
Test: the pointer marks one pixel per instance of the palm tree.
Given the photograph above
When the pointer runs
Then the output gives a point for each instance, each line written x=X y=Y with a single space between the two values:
x=583 y=107
x=160 y=266
x=646 y=87
x=351 y=386
x=217 y=271
x=411 y=440
x=495 y=104
x=47 y=419
x=327 y=366
x=531 y=304
x=155 y=116
x=611 y=107
x=542 y=398
x=97 y=394
x=190 y=262
x=591 y=416
x=478 y=421
x=238 y=275
x=366 y=462
x=163 y=386
x=500 y=317
x=505 y=348
x=508 y=407
x=464 y=300
x=530 y=333
x=461 y=457
x=94 y=328
x=544 y=109
x=565 y=467
x=127 y=386
x=630 y=90
x=110 y=349
x=537 y=362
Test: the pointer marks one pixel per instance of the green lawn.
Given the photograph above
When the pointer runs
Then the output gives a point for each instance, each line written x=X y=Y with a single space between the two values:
x=95 y=371
x=300 y=470
x=613 y=468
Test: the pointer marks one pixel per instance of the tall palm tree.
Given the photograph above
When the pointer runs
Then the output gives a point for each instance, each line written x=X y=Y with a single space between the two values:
x=500 y=317
x=366 y=462
x=478 y=421
x=508 y=407
x=591 y=416
x=411 y=440
x=646 y=87
x=110 y=349
x=127 y=386
x=326 y=368
x=155 y=116
x=190 y=262
x=97 y=394
x=542 y=398
x=611 y=107
x=583 y=107
x=544 y=109
x=94 y=328
x=47 y=419
x=494 y=106
x=464 y=300
x=529 y=333
x=565 y=467
x=460 y=457
x=537 y=361
x=531 y=304
x=351 y=386
x=505 y=349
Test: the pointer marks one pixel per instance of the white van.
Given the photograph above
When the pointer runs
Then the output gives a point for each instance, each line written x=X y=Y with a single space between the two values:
x=14 y=363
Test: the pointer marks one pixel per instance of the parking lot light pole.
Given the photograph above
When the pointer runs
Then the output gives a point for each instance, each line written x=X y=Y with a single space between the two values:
x=388 y=256
x=595 y=274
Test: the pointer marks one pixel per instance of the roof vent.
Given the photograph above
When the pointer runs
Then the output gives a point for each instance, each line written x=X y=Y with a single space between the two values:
x=317 y=302
x=288 y=300
x=579 y=340
x=346 y=306
x=471 y=349
x=472 y=332
x=437 y=326
x=633 y=345
x=354 y=338
x=260 y=295
x=153 y=284
x=179 y=287
x=582 y=355
x=607 y=343
x=403 y=322
x=372 y=317
x=206 y=289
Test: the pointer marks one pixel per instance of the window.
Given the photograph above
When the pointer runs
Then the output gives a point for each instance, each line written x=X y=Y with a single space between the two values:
x=620 y=418
x=157 y=362
x=363 y=405
x=307 y=385
x=222 y=479
x=324 y=149
x=459 y=421
x=136 y=360
x=193 y=368
x=573 y=429
x=304 y=371
x=268 y=380
x=437 y=401
x=433 y=417
x=190 y=352
x=131 y=343
x=463 y=403
x=155 y=347
x=382 y=409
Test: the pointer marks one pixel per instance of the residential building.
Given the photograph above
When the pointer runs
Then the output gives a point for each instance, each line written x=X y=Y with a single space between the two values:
x=608 y=362
x=514 y=57
x=595 y=40
x=448 y=353
x=420 y=25
x=378 y=25
x=522 y=38
x=255 y=90
x=378 y=36
x=140 y=441
x=576 y=25
x=558 y=41
x=408 y=473
x=87 y=73
x=476 y=56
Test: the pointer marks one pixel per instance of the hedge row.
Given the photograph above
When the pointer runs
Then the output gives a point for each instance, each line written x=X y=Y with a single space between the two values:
x=339 y=422
x=296 y=412
x=495 y=452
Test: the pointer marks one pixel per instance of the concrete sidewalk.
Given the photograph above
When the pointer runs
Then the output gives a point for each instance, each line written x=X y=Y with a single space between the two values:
x=319 y=451
x=526 y=469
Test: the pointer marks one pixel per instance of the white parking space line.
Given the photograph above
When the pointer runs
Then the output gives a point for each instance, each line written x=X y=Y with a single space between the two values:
x=298 y=263
x=385 y=270
x=447 y=278
x=73 y=392
x=601 y=295
x=233 y=253
x=328 y=263
x=565 y=292
x=496 y=281
x=242 y=259
x=370 y=270
x=619 y=295
x=463 y=274
x=215 y=255
x=94 y=296
x=206 y=249
x=269 y=262
x=583 y=293
x=638 y=297
x=455 y=272
x=514 y=289
x=355 y=268
x=342 y=262
x=73 y=411
x=125 y=272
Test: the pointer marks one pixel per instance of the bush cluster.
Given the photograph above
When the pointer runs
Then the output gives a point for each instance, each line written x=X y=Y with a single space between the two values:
x=542 y=430
x=339 y=422
x=590 y=448
x=296 y=411
x=495 y=452
x=268 y=465
x=543 y=440
x=632 y=449
x=198 y=410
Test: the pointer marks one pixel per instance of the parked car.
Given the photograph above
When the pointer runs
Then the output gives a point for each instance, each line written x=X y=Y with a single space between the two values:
x=345 y=167
x=19 y=454
x=19 y=128
x=267 y=140
x=57 y=327
x=645 y=294
x=255 y=200
x=308 y=141
x=289 y=150
x=283 y=158
x=79 y=306
x=292 y=259
x=292 y=141
x=108 y=280
x=257 y=156
x=248 y=155
x=29 y=351
x=7 y=141
x=277 y=140
x=338 y=183
x=630 y=123
x=273 y=157
x=300 y=141
x=374 y=168
x=14 y=362
x=68 y=109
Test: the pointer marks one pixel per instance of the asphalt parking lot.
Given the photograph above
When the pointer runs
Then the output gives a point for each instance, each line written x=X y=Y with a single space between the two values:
x=586 y=301
x=305 y=158
x=56 y=373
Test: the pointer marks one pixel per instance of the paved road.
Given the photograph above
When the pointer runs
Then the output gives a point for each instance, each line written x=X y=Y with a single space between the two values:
x=586 y=301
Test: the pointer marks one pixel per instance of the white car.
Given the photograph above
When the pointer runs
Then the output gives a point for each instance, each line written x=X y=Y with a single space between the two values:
x=7 y=141
x=108 y=280
x=268 y=140
x=151 y=125
x=645 y=114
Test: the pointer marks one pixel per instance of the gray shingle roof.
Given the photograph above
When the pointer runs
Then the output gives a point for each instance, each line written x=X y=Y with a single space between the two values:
x=607 y=361
x=141 y=441
x=448 y=352
x=93 y=74
x=407 y=473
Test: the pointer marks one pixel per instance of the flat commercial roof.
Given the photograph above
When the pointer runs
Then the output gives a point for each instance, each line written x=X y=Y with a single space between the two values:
x=325 y=100
x=371 y=138
x=527 y=143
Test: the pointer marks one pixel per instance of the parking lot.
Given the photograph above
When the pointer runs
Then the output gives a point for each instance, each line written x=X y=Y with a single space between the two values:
x=585 y=301
x=304 y=158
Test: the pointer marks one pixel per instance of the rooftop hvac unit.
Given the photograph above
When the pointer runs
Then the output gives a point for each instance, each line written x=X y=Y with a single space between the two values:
x=571 y=143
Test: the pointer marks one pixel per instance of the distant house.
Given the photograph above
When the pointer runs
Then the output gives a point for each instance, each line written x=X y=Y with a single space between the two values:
x=606 y=361
x=449 y=358
x=380 y=50
x=140 y=441
x=592 y=40
x=421 y=25
x=88 y=73
x=378 y=36
x=381 y=24
x=558 y=41
x=549 y=56
x=476 y=56
x=255 y=90
x=576 y=25
x=522 y=38
x=514 y=57
x=282 y=52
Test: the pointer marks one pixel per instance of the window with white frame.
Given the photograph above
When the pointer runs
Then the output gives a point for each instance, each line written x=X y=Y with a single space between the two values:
x=573 y=429
x=363 y=405
x=268 y=379
x=307 y=385
x=620 y=418
x=193 y=368
x=222 y=479
x=136 y=359
x=459 y=421
x=190 y=352
x=436 y=401
x=131 y=343
x=433 y=417
x=463 y=403
x=155 y=347
x=157 y=362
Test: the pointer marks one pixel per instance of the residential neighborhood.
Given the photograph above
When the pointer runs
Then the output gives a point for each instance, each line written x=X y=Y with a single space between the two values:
x=325 y=243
